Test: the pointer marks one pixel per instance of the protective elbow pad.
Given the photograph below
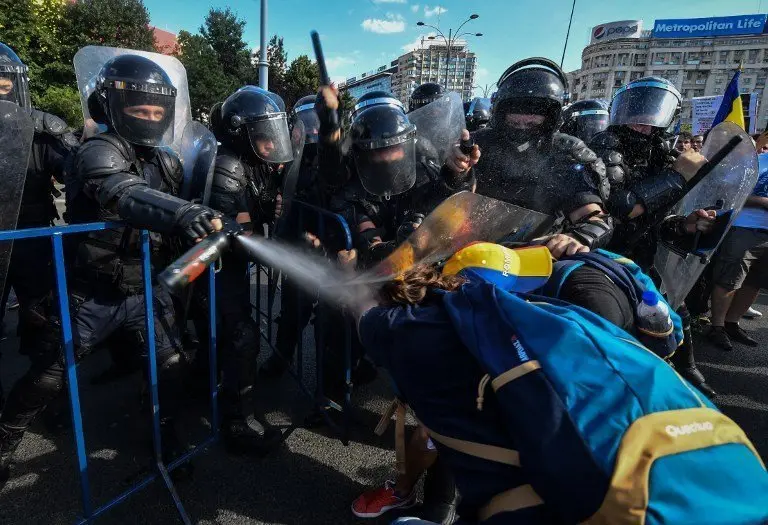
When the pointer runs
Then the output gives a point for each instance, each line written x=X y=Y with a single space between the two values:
x=594 y=232
x=659 y=191
x=151 y=209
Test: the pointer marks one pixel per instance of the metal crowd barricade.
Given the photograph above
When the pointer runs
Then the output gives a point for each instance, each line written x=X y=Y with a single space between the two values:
x=90 y=513
x=321 y=402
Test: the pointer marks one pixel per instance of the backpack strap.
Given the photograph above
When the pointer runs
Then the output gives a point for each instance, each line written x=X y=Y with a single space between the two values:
x=510 y=500
x=506 y=456
x=561 y=270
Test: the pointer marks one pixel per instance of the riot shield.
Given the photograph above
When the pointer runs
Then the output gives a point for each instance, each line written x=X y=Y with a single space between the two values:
x=16 y=133
x=724 y=189
x=89 y=60
x=198 y=157
x=460 y=220
x=438 y=126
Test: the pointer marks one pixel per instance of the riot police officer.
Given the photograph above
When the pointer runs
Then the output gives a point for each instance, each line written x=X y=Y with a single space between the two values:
x=520 y=158
x=478 y=114
x=255 y=143
x=30 y=268
x=585 y=118
x=125 y=175
x=647 y=178
x=424 y=94
x=295 y=304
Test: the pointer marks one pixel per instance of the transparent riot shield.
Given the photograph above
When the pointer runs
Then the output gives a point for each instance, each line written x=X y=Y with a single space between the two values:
x=724 y=189
x=198 y=157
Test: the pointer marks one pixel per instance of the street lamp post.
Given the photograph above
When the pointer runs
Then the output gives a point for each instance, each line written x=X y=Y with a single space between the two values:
x=450 y=40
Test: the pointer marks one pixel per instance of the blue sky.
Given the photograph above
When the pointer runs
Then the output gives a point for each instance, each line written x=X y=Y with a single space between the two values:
x=360 y=35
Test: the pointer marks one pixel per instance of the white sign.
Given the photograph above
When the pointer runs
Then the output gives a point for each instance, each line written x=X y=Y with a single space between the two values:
x=614 y=30
x=704 y=109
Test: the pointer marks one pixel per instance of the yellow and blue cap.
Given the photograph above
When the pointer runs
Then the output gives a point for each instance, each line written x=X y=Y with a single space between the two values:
x=515 y=270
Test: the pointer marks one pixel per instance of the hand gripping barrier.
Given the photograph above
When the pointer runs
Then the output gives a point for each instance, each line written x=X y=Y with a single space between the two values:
x=90 y=512
x=334 y=232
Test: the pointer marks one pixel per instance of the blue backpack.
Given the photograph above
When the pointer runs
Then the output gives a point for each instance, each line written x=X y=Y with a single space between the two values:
x=630 y=279
x=607 y=432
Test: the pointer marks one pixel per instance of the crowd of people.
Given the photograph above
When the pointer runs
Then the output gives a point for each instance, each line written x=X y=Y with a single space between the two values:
x=608 y=175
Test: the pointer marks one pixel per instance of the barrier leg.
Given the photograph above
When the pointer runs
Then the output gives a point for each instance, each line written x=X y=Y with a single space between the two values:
x=69 y=356
x=152 y=359
x=212 y=362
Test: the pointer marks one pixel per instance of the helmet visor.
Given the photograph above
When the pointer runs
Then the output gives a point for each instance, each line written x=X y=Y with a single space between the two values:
x=648 y=103
x=14 y=87
x=145 y=119
x=590 y=122
x=308 y=116
x=270 y=139
x=388 y=170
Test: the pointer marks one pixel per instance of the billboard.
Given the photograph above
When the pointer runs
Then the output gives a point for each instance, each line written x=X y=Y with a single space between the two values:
x=614 y=30
x=708 y=27
x=704 y=109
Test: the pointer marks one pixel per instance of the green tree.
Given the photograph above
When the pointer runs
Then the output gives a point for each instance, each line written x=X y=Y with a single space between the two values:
x=63 y=101
x=207 y=81
x=116 y=23
x=302 y=78
x=224 y=32
x=278 y=62
x=346 y=105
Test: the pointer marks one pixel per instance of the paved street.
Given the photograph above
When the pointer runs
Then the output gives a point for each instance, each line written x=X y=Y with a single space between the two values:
x=312 y=479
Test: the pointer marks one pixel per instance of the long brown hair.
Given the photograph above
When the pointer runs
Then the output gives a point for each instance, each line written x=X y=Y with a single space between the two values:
x=415 y=284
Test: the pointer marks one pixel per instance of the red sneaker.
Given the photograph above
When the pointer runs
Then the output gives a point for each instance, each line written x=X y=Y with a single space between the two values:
x=375 y=502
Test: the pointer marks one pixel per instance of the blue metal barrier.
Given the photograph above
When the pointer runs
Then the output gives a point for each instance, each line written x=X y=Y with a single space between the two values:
x=161 y=469
x=321 y=402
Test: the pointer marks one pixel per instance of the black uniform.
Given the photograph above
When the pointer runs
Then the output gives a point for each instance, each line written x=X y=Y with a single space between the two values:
x=245 y=181
x=113 y=179
x=639 y=167
x=534 y=167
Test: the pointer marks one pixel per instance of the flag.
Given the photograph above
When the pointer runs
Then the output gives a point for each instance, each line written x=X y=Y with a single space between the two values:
x=731 y=109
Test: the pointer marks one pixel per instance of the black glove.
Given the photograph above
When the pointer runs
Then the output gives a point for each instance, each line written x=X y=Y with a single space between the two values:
x=329 y=118
x=193 y=221
x=409 y=225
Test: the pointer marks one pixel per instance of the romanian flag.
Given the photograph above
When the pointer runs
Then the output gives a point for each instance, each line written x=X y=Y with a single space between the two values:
x=518 y=270
x=731 y=109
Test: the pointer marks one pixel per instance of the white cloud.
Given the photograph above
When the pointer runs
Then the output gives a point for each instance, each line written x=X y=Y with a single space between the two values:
x=416 y=44
x=415 y=8
x=437 y=10
x=393 y=24
x=481 y=73
x=389 y=1
x=337 y=62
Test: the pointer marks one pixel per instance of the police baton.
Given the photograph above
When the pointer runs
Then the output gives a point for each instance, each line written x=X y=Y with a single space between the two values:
x=325 y=80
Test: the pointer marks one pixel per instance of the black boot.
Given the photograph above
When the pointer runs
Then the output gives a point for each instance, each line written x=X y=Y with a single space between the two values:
x=440 y=495
x=10 y=437
x=249 y=436
x=172 y=448
x=685 y=364
x=275 y=366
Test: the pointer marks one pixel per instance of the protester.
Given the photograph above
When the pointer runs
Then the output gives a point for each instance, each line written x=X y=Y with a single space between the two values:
x=683 y=142
x=697 y=142
x=741 y=268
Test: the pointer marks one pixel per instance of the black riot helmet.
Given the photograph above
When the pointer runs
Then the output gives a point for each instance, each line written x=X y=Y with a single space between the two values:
x=534 y=86
x=585 y=118
x=304 y=110
x=137 y=100
x=424 y=94
x=647 y=101
x=384 y=149
x=14 y=82
x=478 y=113
x=252 y=118
x=376 y=98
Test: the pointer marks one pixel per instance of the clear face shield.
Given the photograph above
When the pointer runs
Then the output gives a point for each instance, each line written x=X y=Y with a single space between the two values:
x=270 y=139
x=14 y=86
x=142 y=113
x=308 y=116
x=650 y=103
x=590 y=122
x=387 y=167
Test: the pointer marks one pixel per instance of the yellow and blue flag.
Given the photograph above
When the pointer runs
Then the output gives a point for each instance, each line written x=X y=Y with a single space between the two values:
x=731 y=109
